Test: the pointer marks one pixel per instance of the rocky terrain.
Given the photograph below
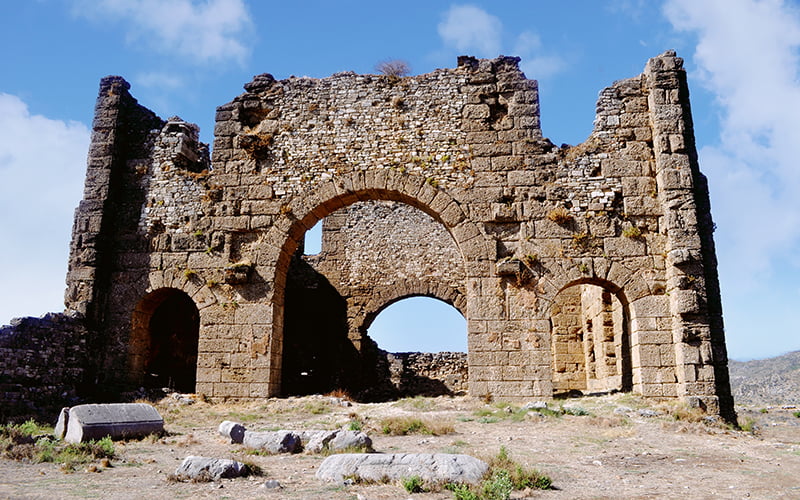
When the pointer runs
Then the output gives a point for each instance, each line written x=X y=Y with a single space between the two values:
x=767 y=382
x=615 y=446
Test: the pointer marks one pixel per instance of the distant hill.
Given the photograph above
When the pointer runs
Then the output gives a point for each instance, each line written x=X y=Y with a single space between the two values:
x=771 y=381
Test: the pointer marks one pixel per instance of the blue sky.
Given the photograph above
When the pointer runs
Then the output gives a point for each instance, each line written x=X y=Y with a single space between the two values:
x=185 y=57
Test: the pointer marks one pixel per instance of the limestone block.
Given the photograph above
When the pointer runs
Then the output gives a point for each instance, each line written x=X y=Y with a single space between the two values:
x=217 y=468
x=685 y=301
x=437 y=468
x=232 y=430
x=345 y=439
x=624 y=247
x=653 y=306
x=116 y=420
x=272 y=442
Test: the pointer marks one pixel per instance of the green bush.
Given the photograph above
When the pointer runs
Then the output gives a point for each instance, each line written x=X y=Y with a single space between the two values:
x=505 y=475
x=413 y=484
x=498 y=486
x=401 y=426
x=461 y=491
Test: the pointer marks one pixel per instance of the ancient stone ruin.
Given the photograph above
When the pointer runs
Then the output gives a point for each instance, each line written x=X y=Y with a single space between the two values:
x=579 y=269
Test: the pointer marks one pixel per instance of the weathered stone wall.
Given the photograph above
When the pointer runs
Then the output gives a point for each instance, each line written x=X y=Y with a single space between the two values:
x=43 y=366
x=627 y=211
x=376 y=253
x=428 y=373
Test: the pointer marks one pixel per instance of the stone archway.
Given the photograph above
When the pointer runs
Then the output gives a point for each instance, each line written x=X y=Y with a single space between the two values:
x=590 y=339
x=303 y=212
x=386 y=296
x=165 y=332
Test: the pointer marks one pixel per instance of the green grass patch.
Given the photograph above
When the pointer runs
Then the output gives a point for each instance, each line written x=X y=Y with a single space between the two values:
x=413 y=484
x=417 y=403
x=504 y=476
x=748 y=425
x=401 y=426
x=317 y=407
x=17 y=443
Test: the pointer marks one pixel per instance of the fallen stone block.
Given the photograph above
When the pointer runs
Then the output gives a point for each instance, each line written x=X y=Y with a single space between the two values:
x=433 y=468
x=350 y=439
x=336 y=440
x=194 y=467
x=316 y=441
x=115 y=420
x=232 y=430
x=273 y=442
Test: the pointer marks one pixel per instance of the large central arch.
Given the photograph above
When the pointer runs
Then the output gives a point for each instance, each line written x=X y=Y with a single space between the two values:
x=307 y=209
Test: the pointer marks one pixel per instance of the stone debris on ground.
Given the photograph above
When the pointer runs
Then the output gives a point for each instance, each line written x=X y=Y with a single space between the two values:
x=232 y=430
x=283 y=441
x=194 y=467
x=116 y=420
x=273 y=442
x=432 y=468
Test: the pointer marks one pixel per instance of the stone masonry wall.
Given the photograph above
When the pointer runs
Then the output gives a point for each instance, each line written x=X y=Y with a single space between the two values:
x=376 y=253
x=43 y=366
x=627 y=210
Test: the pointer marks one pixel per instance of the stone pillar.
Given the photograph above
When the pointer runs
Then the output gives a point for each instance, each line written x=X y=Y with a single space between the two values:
x=692 y=282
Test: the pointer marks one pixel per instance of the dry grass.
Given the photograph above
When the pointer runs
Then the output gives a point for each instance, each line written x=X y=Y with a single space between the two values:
x=402 y=426
x=559 y=215
x=393 y=68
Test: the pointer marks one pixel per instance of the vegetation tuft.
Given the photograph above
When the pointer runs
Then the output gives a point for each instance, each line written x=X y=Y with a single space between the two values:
x=504 y=476
x=413 y=484
x=559 y=215
x=393 y=68
x=401 y=426
x=30 y=442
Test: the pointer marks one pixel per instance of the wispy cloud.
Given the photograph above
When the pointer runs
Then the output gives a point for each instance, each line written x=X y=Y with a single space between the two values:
x=748 y=57
x=202 y=31
x=471 y=30
x=159 y=80
x=468 y=28
x=42 y=162
x=536 y=63
x=747 y=53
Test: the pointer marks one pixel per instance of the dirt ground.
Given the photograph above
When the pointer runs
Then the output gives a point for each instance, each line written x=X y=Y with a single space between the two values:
x=618 y=450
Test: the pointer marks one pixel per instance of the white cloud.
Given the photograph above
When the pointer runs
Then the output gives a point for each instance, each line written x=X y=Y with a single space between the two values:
x=535 y=62
x=473 y=31
x=203 y=31
x=748 y=57
x=468 y=28
x=747 y=53
x=42 y=162
x=159 y=80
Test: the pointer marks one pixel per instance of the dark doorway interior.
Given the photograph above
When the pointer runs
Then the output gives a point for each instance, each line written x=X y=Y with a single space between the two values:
x=174 y=333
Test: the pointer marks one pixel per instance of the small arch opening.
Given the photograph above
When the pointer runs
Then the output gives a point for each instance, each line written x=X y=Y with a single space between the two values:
x=312 y=241
x=416 y=346
x=164 y=340
x=419 y=324
x=590 y=341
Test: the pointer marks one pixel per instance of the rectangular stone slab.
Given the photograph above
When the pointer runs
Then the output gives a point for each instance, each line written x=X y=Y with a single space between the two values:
x=117 y=420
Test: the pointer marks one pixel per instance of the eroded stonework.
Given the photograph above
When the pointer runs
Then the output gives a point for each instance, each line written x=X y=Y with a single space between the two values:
x=584 y=268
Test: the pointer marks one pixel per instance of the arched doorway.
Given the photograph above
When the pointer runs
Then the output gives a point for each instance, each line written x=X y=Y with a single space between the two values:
x=590 y=340
x=374 y=252
x=416 y=345
x=164 y=340
x=419 y=324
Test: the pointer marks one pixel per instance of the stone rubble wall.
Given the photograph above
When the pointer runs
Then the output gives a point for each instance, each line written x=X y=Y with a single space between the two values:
x=43 y=366
x=429 y=373
x=376 y=253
